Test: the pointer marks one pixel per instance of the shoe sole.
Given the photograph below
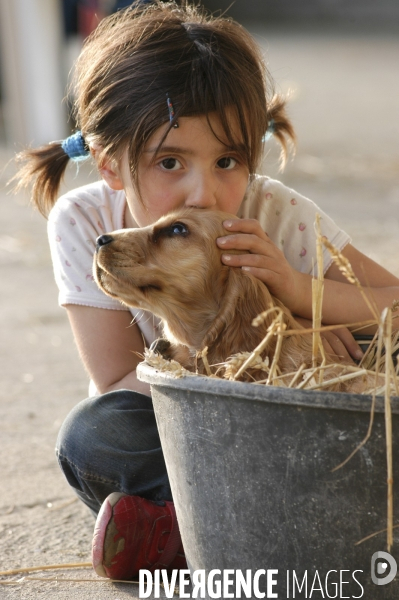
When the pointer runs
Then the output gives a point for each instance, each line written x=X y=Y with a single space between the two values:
x=104 y=534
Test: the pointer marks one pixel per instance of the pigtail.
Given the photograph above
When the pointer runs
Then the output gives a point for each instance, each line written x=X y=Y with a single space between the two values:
x=280 y=127
x=42 y=169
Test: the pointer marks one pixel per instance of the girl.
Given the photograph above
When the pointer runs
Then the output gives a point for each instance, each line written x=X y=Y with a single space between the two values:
x=174 y=107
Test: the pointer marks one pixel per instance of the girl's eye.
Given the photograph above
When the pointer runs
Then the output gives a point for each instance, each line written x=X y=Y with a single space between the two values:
x=227 y=162
x=170 y=164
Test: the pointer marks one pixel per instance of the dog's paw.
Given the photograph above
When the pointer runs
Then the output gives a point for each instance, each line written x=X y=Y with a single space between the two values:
x=162 y=347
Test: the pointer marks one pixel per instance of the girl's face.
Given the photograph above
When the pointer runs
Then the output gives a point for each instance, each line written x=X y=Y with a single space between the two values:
x=191 y=169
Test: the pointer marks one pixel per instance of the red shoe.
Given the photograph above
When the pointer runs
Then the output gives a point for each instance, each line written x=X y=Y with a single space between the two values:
x=132 y=534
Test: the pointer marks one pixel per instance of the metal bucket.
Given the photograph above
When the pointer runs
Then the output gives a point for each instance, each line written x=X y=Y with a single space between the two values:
x=250 y=468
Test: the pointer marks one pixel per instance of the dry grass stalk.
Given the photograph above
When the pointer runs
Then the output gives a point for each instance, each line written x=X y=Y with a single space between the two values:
x=394 y=378
x=158 y=362
x=297 y=375
x=385 y=334
x=279 y=328
x=346 y=269
x=259 y=319
x=233 y=364
x=369 y=355
x=309 y=378
x=368 y=537
x=377 y=363
x=46 y=568
x=52 y=507
x=352 y=326
x=203 y=355
x=372 y=412
x=338 y=379
x=394 y=370
x=386 y=326
x=67 y=580
x=317 y=300
x=345 y=369
x=261 y=347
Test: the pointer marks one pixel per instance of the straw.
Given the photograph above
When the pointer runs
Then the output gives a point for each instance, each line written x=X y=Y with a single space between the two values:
x=317 y=300
x=203 y=356
x=279 y=327
x=368 y=537
x=346 y=269
x=46 y=568
x=372 y=412
x=338 y=379
x=67 y=580
x=297 y=375
x=264 y=343
x=386 y=325
x=162 y=364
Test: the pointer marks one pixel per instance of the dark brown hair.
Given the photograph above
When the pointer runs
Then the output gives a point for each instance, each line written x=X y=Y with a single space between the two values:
x=138 y=56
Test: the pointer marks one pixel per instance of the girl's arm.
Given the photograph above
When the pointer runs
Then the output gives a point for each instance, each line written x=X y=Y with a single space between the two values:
x=107 y=341
x=344 y=301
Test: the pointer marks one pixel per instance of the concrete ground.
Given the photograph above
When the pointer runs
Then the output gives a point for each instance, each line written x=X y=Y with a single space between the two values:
x=344 y=89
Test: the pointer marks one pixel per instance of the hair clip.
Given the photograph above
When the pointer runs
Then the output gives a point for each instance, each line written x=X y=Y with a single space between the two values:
x=171 y=112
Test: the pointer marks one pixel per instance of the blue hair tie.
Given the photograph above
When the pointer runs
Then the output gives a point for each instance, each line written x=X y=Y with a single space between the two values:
x=271 y=128
x=76 y=147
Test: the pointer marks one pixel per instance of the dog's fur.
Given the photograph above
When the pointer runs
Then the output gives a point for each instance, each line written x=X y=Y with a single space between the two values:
x=174 y=270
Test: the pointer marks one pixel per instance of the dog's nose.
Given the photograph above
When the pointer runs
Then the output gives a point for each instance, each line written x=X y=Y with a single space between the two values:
x=103 y=240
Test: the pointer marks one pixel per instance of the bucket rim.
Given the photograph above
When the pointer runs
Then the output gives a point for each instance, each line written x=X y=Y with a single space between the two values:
x=262 y=393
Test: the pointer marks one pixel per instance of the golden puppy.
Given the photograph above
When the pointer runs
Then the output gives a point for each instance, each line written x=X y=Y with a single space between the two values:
x=174 y=270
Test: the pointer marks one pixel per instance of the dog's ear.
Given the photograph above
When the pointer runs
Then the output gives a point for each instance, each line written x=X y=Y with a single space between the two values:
x=241 y=297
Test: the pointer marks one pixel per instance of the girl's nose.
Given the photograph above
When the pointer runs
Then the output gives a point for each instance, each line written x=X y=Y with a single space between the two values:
x=202 y=193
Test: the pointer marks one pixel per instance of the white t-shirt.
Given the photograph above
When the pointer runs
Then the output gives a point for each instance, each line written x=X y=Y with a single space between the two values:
x=80 y=216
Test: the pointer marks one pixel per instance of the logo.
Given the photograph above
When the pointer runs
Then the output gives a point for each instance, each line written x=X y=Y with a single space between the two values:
x=383 y=564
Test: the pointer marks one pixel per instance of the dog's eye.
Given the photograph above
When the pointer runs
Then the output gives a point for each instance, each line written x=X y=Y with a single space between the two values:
x=178 y=229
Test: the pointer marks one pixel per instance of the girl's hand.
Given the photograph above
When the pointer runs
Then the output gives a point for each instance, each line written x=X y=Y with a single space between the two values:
x=338 y=342
x=265 y=261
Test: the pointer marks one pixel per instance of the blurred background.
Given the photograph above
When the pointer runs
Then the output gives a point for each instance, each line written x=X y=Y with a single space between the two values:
x=339 y=63
x=337 y=60
x=41 y=38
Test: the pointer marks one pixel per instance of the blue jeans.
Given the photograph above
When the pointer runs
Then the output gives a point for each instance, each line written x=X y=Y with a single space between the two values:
x=110 y=443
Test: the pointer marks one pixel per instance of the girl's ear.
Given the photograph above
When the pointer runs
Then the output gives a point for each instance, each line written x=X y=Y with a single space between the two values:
x=107 y=168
